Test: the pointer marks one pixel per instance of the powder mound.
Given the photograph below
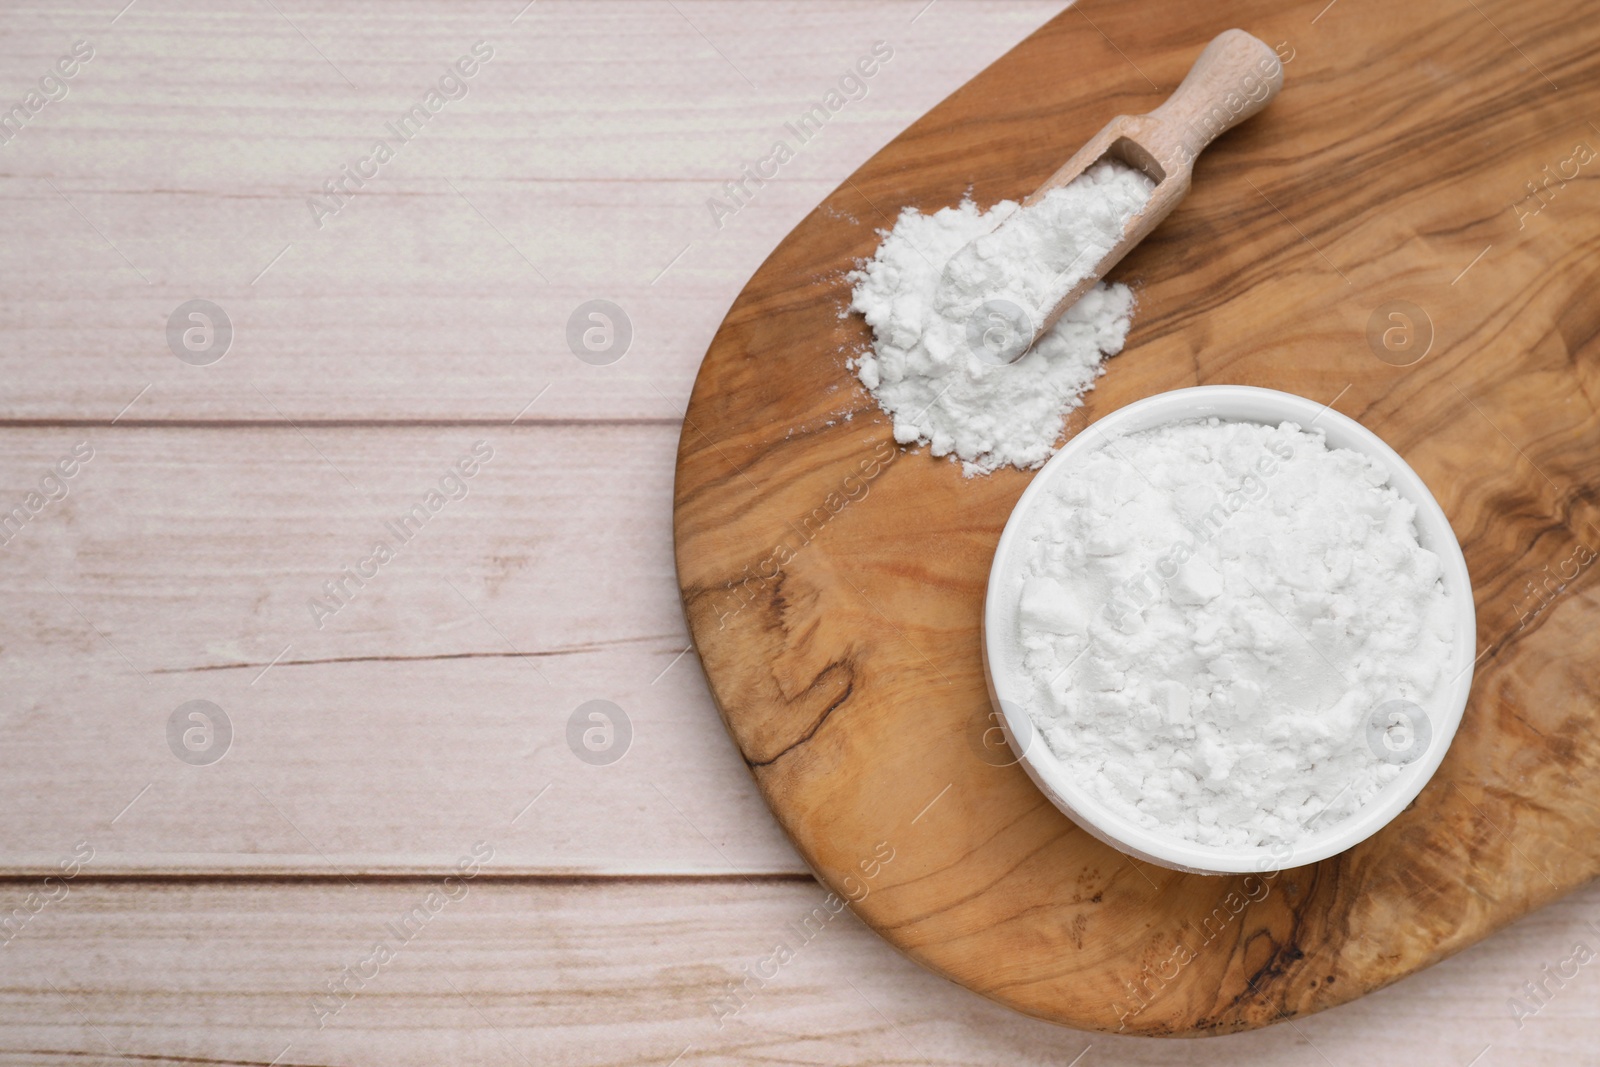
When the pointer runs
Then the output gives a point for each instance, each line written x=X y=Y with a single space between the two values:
x=1212 y=615
x=942 y=322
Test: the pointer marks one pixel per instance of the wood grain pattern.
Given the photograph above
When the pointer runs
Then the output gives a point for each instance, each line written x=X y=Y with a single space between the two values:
x=605 y=973
x=586 y=149
x=393 y=337
x=844 y=653
x=412 y=331
x=443 y=686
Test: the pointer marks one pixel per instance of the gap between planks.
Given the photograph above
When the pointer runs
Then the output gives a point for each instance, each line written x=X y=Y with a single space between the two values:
x=285 y=875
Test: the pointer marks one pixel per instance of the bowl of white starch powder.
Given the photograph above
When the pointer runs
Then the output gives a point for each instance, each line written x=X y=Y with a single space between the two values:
x=1229 y=630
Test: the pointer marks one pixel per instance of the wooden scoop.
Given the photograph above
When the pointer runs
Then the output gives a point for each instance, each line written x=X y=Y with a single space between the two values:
x=1235 y=76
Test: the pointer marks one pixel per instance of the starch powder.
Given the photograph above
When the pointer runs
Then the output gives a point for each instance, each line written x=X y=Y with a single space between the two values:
x=943 y=324
x=1211 y=613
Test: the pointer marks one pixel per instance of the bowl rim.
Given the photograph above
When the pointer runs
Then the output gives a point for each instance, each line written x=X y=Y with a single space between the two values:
x=1007 y=690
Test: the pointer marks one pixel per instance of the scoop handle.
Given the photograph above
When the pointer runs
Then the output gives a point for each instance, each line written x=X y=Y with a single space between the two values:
x=1236 y=75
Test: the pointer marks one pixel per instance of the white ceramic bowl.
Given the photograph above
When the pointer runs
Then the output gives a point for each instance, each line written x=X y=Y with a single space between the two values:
x=1008 y=685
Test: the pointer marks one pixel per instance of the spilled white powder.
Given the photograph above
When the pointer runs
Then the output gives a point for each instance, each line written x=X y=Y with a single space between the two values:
x=1211 y=614
x=937 y=364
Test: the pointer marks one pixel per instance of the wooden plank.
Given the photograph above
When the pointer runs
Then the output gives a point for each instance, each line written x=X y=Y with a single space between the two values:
x=608 y=972
x=849 y=665
x=577 y=166
x=172 y=157
x=423 y=715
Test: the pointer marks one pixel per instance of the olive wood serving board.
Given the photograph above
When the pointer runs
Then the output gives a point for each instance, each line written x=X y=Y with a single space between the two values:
x=1436 y=153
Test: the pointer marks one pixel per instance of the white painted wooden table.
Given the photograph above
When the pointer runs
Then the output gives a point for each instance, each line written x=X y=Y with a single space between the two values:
x=279 y=881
